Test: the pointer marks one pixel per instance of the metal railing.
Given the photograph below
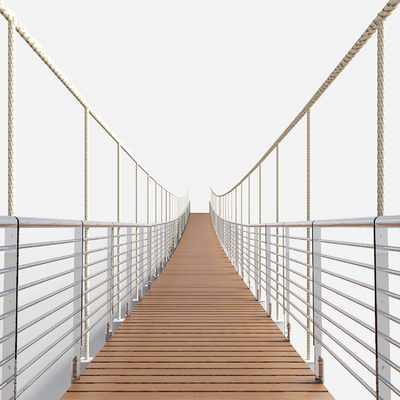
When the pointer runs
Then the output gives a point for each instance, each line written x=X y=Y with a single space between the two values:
x=56 y=314
x=352 y=292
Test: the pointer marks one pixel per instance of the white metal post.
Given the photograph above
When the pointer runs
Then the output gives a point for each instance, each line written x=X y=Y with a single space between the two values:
x=129 y=257
x=256 y=263
x=110 y=276
x=78 y=292
x=268 y=256
x=141 y=266
x=317 y=305
x=286 y=275
x=382 y=322
x=10 y=305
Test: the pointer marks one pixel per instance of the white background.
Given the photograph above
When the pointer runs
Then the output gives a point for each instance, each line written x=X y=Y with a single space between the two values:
x=198 y=91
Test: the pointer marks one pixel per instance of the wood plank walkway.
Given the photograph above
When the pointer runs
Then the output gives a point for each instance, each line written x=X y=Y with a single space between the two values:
x=198 y=333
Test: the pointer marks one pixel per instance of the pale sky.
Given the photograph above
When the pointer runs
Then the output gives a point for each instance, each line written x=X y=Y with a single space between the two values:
x=198 y=91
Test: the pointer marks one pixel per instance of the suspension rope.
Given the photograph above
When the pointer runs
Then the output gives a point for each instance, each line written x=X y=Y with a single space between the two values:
x=381 y=120
x=11 y=116
x=277 y=231
x=259 y=194
x=368 y=33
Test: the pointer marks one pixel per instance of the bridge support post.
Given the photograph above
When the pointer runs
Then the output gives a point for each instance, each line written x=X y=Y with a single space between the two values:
x=10 y=305
x=241 y=251
x=317 y=305
x=129 y=257
x=382 y=323
x=268 y=268
x=141 y=266
x=110 y=275
x=256 y=263
x=286 y=278
x=78 y=293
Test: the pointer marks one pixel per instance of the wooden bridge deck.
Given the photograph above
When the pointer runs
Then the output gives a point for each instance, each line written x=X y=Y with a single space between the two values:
x=198 y=333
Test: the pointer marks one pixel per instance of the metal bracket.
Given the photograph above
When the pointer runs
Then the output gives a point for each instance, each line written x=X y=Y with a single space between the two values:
x=108 y=331
x=320 y=376
x=269 y=309
x=288 y=331
x=127 y=310
x=75 y=376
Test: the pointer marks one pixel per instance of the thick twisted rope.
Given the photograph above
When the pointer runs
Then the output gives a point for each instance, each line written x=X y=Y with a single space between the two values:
x=381 y=120
x=277 y=231
x=11 y=117
x=368 y=33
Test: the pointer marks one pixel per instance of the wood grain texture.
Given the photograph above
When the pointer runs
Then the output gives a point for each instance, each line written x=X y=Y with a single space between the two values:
x=198 y=333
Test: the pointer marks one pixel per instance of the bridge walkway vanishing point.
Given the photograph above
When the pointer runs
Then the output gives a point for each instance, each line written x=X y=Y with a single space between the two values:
x=198 y=333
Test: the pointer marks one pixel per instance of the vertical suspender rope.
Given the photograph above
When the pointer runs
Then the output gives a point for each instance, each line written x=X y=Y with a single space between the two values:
x=119 y=229
x=86 y=246
x=381 y=120
x=161 y=204
x=241 y=203
x=249 y=199
x=11 y=116
x=148 y=189
x=309 y=268
x=235 y=204
x=277 y=230
x=136 y=230
x=155 y=202
x=136 y=194
x=259 y=194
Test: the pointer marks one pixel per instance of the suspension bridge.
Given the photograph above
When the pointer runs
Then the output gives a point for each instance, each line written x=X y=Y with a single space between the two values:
x=198 y=306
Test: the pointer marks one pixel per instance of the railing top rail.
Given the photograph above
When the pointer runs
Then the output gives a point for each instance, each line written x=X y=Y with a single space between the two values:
x=329 y=223
x=47 y=222
x=25 y=34
x=61 y=223
x=363 y=39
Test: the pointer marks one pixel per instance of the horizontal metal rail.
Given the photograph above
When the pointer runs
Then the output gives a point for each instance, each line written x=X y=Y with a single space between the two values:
x=72 y=301
x=341 y=285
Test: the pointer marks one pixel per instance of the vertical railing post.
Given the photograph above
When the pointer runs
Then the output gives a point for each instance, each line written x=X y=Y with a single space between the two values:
x=241 y=251
x=317 y=305
x=78 y=291
x=11 y=115
x=9 y=326
x=141 y=263
x=110 y=276
x=286 y=285
x=129 y=258
x=256 y=262
x=382 y=323
x=268 y=267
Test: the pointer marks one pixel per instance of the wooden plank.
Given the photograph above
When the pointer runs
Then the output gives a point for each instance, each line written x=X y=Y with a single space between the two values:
x=198 y=333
